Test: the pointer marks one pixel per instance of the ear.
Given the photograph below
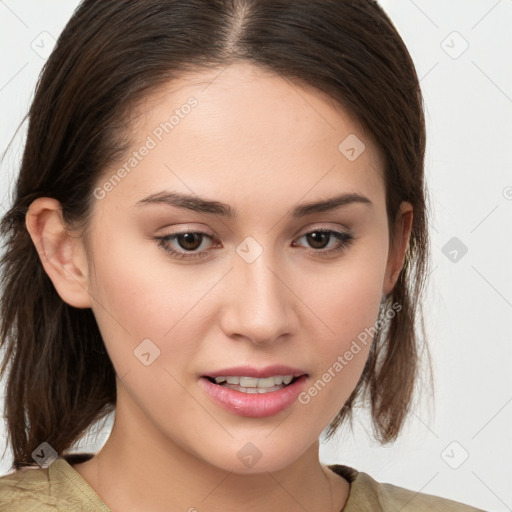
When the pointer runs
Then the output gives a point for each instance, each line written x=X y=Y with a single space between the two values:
x=399 y=248
x=62 y=253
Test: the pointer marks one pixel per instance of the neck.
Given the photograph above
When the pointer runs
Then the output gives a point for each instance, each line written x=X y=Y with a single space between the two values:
x=135 y=471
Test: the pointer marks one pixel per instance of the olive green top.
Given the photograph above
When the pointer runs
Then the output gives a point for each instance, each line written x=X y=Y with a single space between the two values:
x=59 y=487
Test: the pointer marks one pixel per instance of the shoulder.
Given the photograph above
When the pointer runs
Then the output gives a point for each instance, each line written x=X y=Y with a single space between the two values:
x=57 y=487
x=366 y=494
x=26 y=489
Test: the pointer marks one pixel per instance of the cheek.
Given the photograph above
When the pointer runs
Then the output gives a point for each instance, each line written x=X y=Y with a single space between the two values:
x=347 y=305
x=138 y=282
x=141 y=296
x=346 y=298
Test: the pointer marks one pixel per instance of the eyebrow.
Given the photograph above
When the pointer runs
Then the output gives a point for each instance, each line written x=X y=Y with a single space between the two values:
x=201 y=205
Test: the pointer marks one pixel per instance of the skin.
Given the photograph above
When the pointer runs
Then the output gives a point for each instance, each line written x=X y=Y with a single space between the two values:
x=171 y=444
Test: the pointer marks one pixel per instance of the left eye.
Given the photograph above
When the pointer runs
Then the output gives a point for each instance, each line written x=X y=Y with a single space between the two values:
x=318 y=237
x=190 y=241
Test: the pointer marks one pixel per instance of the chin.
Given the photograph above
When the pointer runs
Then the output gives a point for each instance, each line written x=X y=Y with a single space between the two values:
x=261 y=455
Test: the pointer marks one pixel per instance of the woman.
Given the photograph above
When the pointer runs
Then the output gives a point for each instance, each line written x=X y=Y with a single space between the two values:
x=219 y=232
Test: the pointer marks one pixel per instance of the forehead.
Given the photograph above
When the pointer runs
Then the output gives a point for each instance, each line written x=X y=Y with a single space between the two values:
x=243 y=131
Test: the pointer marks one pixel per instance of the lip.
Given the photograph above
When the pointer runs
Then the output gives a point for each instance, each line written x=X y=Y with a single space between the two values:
x=259 y=373
x=255 y=405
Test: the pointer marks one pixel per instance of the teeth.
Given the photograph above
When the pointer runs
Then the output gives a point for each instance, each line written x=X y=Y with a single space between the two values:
x=248 y=382
x=252 y=382
x=287 y=379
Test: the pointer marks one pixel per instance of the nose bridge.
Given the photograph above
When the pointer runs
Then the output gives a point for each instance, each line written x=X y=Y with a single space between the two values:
x=261 y=307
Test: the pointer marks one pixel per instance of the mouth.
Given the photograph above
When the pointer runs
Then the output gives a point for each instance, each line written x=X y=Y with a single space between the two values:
x=253 y=385
x=254 y=392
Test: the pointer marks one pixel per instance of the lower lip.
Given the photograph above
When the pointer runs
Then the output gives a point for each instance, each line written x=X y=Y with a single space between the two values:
x=254 y=405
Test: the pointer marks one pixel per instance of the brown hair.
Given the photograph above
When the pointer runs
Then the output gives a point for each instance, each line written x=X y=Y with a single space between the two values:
x=110 y=56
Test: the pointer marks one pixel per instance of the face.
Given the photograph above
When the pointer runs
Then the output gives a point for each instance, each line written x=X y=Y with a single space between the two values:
x=254 y=284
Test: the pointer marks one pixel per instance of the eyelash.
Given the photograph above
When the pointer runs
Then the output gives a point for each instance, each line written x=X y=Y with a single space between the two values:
x=344 y=241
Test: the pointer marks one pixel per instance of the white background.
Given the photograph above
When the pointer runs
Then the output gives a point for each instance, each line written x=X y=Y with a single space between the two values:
x=468 y=103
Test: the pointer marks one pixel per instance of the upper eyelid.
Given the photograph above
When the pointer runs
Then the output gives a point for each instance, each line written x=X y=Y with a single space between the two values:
x=338 y=228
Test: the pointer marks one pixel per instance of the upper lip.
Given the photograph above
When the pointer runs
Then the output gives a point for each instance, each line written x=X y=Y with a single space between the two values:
x=258 y=373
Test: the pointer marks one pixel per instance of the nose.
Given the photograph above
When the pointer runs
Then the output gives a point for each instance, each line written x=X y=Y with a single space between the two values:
x=259 y=304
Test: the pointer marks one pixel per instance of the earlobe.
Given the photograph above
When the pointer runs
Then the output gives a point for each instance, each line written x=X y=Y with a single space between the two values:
x=61 y=253
x=397 y=252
